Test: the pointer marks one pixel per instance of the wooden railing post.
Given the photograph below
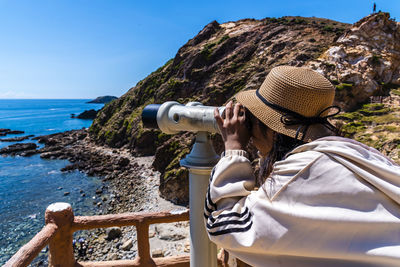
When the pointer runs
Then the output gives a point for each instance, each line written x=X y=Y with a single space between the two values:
x=143 y=245
x=61 y=252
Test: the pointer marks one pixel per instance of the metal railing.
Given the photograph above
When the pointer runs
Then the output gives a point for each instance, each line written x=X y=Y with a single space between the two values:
x=61 y=224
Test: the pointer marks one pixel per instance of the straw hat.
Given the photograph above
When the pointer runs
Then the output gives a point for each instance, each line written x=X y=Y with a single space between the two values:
x=293 y=101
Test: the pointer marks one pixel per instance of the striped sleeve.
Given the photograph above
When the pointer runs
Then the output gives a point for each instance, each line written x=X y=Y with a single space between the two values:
x=231 y=181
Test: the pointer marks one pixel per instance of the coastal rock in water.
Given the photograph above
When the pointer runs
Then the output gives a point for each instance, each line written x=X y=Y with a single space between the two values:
x=53 y=154
x=15 y=148
x=15 y=132
x=87 y=115
x=28 y=153
x=103 y=99
x=4 y=132
x=16 y=139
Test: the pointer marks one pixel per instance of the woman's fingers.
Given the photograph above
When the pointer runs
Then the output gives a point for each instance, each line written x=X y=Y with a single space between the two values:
x=218 y=119
x=236 y=111
x=232 y=127
x=228 y=110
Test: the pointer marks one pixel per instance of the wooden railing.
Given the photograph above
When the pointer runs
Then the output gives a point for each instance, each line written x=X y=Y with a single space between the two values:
x=61 y=224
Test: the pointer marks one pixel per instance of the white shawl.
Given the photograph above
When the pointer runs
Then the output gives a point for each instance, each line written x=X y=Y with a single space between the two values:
x=331 y=202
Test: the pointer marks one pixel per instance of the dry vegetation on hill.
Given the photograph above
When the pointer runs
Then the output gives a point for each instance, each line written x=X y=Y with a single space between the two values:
x=362 y=60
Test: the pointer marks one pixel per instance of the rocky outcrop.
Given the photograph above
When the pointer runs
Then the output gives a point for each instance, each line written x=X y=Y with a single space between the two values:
x=4 y=132
x=376 y=124
x=86 y=115
x=213 y=66
x=364 y=62
x=16 y=139
x=23 y=149
x=103 y=99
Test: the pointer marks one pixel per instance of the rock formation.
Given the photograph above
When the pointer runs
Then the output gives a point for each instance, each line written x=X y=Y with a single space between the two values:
x=24 y=149
x=4 y=132
x=362 y=60
x=86 y=115
x=103 y=99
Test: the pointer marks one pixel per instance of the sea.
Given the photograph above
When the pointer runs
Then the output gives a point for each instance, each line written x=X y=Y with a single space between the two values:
x=29 y=184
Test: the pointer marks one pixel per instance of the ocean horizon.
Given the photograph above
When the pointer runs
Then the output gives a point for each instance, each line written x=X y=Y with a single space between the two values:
x=29 y=184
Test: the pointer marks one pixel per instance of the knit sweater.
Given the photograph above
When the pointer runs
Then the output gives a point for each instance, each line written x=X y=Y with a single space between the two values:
x=331 y=202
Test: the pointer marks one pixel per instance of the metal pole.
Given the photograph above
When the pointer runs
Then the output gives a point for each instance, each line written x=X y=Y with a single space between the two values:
x=200 y=162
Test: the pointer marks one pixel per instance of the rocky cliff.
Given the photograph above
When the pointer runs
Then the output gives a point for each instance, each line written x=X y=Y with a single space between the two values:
x=362 y=60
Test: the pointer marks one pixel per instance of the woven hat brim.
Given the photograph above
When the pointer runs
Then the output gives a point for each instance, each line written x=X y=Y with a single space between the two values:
x=272 y=118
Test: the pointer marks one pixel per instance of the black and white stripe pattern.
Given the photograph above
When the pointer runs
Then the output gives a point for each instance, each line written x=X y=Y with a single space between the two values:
x=224 y=223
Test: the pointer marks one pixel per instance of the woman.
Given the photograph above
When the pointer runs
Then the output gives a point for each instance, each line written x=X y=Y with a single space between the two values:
x=324 y=200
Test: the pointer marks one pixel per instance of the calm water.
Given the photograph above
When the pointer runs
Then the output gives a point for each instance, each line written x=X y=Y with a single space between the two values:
x=28 y=185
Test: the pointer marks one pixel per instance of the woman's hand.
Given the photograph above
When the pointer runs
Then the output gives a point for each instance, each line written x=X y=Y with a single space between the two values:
x=232 y=128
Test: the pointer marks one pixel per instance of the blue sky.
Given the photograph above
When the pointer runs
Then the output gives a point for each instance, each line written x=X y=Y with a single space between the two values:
x=88 y=48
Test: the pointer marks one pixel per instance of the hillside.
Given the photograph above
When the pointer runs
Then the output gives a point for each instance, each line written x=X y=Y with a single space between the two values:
x=103 y=99
x=362 y=60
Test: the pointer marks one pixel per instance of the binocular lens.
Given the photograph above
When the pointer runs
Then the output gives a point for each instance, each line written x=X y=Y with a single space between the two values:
x=149 y=116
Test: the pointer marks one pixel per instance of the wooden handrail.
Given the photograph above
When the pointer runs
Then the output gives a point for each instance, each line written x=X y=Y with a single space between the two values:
x=61 y=224
x=30 y=250
x=127 y=219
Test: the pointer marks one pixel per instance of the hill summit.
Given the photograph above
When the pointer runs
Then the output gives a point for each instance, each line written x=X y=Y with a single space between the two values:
x=362 y=60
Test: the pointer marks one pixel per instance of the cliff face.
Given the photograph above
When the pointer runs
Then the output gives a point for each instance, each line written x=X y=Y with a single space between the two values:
x=364 y=61
x=224 y=59
x=217 y=63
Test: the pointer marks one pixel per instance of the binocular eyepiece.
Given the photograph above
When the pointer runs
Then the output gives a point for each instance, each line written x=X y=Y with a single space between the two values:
x=172 y=117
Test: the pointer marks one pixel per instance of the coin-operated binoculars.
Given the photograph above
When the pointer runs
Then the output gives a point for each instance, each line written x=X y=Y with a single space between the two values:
x=171 y=118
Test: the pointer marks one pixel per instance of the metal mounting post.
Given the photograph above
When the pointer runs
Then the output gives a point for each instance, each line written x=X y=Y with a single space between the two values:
x=200 y=162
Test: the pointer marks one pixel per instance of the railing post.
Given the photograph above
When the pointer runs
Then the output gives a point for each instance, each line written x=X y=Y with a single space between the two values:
x=143 y=245
x=61 y=252
x=200 y=162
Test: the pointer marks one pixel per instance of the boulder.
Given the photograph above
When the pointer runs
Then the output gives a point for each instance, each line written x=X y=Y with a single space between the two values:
x=113 y=233
x=127 y=245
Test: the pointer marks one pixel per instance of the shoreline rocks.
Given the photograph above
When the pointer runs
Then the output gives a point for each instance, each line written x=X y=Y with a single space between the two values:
x=4 y=132
x=19 y=149
x=16 y=139
x=129 y=184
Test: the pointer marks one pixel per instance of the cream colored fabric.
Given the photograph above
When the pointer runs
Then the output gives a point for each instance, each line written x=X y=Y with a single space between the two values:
x=331 y=202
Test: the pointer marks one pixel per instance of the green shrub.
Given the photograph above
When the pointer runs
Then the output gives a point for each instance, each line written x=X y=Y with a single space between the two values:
x=207 y=50
x=328 y=28
x=344 y=86
x=223 y=39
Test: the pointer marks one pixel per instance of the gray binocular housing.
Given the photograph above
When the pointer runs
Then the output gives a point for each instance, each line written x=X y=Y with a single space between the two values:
x=172 y=117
